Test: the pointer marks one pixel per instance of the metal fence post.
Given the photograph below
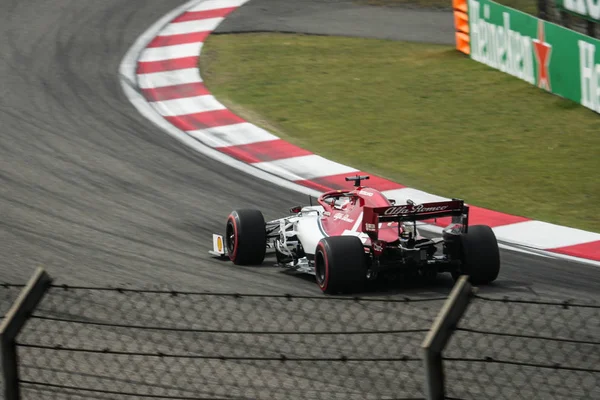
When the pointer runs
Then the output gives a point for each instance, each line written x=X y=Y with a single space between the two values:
x=439 y=334
x=12 y=324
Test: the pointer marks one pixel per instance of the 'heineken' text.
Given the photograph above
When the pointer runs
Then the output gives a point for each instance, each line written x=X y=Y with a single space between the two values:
x=589 y=73
x=499 y=46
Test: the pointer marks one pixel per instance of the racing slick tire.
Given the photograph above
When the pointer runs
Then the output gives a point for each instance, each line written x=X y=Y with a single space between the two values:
x=340 y=264
x=246 y=237
x=480 y=255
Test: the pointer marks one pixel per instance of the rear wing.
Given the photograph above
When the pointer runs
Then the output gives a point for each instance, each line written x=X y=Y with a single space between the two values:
x=372 y=216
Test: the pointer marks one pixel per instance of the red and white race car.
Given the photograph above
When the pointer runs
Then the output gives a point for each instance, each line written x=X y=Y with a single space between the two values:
x=358 y=235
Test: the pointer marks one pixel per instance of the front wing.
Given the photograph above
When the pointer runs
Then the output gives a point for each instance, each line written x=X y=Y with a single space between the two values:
x=219 y=249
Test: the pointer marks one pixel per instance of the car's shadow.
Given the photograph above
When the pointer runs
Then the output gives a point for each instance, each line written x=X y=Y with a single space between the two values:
x=440 y=286
x=404 y=286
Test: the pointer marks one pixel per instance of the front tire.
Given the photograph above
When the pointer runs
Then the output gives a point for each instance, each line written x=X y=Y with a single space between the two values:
x=340 y=264
x=246 y=237
x=480 y=255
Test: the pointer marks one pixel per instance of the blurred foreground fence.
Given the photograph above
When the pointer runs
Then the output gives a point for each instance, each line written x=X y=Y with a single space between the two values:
x=106 y=343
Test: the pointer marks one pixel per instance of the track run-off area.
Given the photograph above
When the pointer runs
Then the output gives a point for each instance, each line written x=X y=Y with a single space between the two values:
x=99 y=196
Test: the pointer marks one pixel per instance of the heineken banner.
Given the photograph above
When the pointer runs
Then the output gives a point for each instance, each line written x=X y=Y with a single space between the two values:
x=588 y=9
x=550 y=56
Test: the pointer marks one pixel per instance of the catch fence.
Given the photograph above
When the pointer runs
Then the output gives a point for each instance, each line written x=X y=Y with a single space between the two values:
x=107 y=343
x=550 y=11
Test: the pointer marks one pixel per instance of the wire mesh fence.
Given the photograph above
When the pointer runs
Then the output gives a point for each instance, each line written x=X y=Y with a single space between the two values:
x=102 y=343
x=525 y=349
x=95 y=343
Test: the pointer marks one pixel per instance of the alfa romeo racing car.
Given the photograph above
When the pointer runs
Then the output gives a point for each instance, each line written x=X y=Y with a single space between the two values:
x=353 y=236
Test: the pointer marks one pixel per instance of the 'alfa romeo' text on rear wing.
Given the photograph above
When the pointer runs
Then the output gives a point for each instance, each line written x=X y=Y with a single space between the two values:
x=372 y=216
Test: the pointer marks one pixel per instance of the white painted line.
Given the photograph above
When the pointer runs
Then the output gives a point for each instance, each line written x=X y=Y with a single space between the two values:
x=543 y=235
x=524 y=251
x=304 y=167
x=569 y=258
x=278 y=169
x=232 y=135
x=171 y=52
x=187 y=105
x=168 y=78
x=216 y=4
x=418 y=196
x=199 y=25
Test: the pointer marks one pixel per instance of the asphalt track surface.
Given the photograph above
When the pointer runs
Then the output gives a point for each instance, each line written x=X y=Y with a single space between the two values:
x=99 y=196
x=342 y=17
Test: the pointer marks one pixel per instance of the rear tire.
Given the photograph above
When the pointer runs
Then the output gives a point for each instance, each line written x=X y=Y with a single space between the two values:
x=480 y=255
x=246 y=237
x=340 y=264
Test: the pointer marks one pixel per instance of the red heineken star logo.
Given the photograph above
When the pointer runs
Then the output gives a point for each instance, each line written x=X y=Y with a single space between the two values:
x=542 y=54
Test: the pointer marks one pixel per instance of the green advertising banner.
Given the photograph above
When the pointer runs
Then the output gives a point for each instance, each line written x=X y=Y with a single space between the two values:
x=588 y=9
x=549 y=56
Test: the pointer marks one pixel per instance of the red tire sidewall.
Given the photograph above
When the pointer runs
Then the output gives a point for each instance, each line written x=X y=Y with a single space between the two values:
x=233 y=254
x=325 y=283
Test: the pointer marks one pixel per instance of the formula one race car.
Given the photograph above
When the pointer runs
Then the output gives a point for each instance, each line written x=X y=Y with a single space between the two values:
x=355 y=236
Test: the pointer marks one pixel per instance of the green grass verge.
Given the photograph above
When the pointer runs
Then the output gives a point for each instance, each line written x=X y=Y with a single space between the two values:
x=423 y=115
x=528 y=6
